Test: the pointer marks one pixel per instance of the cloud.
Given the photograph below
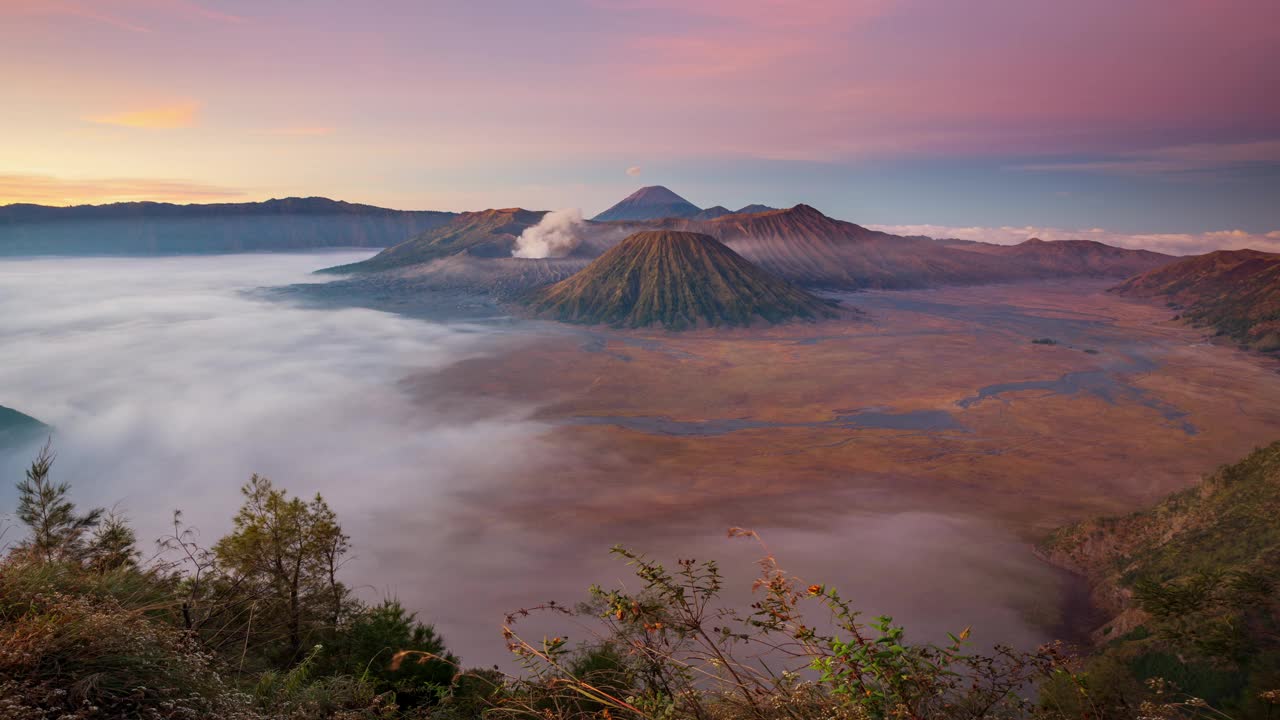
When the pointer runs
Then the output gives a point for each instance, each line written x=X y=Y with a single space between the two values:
x=49 y=190
x=302 y=131
x=118 y=13
x=556 y=235
x=181 y=115
x=169 y=381
x=1171 y=243
x=1172 y=160
x=634 y=171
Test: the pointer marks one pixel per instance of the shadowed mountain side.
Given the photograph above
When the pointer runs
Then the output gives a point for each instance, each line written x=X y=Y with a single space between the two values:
x=487 y=233
x=1081 y=258
x=16 y=428
x=1235 y=291
x=712 y=213
x=145 y=227
x=678 y=280
x=502 y=278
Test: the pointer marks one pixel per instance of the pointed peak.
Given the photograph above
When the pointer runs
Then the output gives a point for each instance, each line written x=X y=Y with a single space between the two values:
x=656 y=194
x=650 y=203
x=803 y=210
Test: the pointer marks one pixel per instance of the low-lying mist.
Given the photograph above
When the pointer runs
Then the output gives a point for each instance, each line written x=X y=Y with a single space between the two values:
x=170 y=380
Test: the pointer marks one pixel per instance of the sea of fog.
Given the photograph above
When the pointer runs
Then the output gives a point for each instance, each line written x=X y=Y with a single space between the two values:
x=170 y=380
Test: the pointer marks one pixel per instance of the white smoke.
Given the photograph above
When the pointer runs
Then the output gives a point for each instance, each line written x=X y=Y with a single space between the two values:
x=556 y=236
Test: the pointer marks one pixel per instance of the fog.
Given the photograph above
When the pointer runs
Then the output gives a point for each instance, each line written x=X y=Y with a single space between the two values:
x=170 y=380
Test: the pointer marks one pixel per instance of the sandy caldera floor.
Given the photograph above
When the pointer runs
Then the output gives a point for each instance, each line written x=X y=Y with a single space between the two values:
x=946 y=403
x=915 y=453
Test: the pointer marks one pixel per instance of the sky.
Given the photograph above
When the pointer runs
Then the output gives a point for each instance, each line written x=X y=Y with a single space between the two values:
x=990 y=118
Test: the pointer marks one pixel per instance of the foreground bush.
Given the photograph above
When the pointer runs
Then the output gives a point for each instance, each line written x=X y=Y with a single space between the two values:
x=85 y=656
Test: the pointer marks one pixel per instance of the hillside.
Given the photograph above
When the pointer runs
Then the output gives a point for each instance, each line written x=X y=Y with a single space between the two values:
x=1083 y=258
x=1189 y=586
x=1237 y=292
x=678 y=280
x=487 y=234
x=803 y=245
x=15 y=427
x=147 y=227
x=713 y=212
x=649 y=203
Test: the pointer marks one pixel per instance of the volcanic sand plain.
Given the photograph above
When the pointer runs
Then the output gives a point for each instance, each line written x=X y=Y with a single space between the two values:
x=914 y=453
x=931 y=399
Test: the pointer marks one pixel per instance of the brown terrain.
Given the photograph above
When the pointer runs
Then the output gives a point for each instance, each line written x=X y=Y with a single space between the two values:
x=961 y=410
x=933 y=436
x=1237 y=292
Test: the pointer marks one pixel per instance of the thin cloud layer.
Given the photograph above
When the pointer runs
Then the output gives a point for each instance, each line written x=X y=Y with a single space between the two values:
x=1177 y=159
x=47 y=190
x=180 y=115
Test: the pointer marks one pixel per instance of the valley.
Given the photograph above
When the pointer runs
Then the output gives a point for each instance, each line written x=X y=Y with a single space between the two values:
x=966 y=412
x=933 y=414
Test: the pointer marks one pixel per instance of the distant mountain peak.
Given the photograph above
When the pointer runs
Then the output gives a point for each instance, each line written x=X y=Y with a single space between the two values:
x=656 y=194
x=803 y=209
x=653 y=202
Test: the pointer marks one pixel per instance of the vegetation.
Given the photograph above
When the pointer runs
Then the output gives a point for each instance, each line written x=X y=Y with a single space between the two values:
x=259 y=626
x=1196 y=579
x=1236 y=292
x=16 y=428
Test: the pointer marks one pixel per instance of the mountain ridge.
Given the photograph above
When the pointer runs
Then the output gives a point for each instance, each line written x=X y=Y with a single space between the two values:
x=162 y=228
x=1236 y=292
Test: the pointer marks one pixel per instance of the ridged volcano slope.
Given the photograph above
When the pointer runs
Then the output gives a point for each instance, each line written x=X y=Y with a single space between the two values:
x=488 y=233
x=678 y=280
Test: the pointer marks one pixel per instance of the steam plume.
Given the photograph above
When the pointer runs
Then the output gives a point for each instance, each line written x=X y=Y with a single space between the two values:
x=556 y=236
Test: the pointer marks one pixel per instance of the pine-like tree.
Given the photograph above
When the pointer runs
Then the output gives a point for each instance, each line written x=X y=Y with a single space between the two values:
x=57 y=531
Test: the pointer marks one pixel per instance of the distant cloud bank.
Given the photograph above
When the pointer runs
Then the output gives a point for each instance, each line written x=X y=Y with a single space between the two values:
x=48 y=190
x=179 y=115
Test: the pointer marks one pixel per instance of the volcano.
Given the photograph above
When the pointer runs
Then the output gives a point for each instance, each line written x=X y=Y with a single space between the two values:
x=650 y=203
x=488 y=233
x=677 y=280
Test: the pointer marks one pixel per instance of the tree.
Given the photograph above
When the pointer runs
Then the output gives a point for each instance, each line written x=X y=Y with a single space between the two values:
x=387 y=644
x=114 y=545
x=57 y=530
x=292 y=549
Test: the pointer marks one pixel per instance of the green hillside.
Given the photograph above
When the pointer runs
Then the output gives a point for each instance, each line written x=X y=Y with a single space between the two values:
x=16 y=427
x=1189 y=587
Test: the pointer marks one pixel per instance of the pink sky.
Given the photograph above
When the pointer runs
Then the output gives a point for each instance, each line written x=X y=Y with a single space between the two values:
x=457 y=105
